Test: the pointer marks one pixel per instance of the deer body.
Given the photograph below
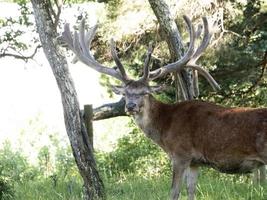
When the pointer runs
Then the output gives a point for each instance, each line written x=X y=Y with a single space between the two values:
x=231 y=140
x=192 y=133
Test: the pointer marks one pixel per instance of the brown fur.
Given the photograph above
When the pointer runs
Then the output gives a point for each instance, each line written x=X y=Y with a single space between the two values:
x=208 y=134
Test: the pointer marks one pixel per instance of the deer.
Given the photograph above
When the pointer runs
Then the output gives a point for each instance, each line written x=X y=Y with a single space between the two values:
x=193 y=133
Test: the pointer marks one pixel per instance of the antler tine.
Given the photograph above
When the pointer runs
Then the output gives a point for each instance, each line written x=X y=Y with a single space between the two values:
x=79 y=45
x=66 y=36
x=89 y=36
x=205 y=41
x=82 y=44
x=204 y=44
x=207 y=75
x=172 y=67
x=117 y=60
x=145 y=76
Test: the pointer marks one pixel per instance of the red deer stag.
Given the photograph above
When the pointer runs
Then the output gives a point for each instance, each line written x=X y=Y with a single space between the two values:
x=192 y=133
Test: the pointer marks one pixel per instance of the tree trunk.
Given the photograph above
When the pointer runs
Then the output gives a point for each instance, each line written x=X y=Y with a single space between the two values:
x=183 y=80
x=81 y=148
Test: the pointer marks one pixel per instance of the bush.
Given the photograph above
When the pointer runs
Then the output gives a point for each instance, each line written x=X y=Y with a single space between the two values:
x=134 y=154
x=6 y=189
x=14 y=166
x=14 y=169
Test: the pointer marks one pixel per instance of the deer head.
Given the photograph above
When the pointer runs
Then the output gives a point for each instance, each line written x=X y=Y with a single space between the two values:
x=135 y=91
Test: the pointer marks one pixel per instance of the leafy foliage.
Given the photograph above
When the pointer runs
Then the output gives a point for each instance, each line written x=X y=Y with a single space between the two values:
x=13 y=30
x=6 y=190
x=14 y=166
x=134 y=154
x=240 y=59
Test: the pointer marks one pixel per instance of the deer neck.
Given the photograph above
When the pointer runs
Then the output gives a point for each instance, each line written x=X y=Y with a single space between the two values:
x=146 y=119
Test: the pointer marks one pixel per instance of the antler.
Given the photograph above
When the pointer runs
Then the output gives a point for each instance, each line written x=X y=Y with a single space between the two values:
x=191 y=56
x=145 y=76
x=80 y=45
x=204 y=44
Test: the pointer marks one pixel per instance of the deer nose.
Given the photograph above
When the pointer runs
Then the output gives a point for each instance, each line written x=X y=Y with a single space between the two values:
x=130 y=106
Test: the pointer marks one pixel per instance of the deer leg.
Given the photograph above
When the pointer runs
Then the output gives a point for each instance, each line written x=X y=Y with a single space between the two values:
x=191 y=181
x=179 y=167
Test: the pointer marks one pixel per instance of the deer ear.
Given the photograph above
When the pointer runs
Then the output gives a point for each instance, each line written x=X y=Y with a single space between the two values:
x=118 y=89
x=157 y=89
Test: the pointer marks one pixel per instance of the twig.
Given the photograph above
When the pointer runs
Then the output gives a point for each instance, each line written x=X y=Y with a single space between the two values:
x=57 y=16
x=20 y=56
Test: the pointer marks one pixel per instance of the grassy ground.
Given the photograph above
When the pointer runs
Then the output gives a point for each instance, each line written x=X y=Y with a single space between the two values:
x=137 y=188
x=46 y=190
x=207 y=189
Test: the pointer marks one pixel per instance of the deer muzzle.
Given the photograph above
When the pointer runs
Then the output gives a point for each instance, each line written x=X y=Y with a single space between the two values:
x=131 y=108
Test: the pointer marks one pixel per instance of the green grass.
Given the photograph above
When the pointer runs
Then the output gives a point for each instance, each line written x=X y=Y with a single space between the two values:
x=223 y=187
x=138 y=188
x=47 y=190
x=211 y=186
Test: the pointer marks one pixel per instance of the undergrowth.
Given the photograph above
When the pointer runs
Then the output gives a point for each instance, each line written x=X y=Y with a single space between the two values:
x=135 y=169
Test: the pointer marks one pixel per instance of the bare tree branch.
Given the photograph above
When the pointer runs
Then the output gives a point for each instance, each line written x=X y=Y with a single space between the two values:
x=110 y=110
x=20 y=56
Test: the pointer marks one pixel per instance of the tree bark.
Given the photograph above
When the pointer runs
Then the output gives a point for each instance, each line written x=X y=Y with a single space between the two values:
x=168 y=25
x=81 y=148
